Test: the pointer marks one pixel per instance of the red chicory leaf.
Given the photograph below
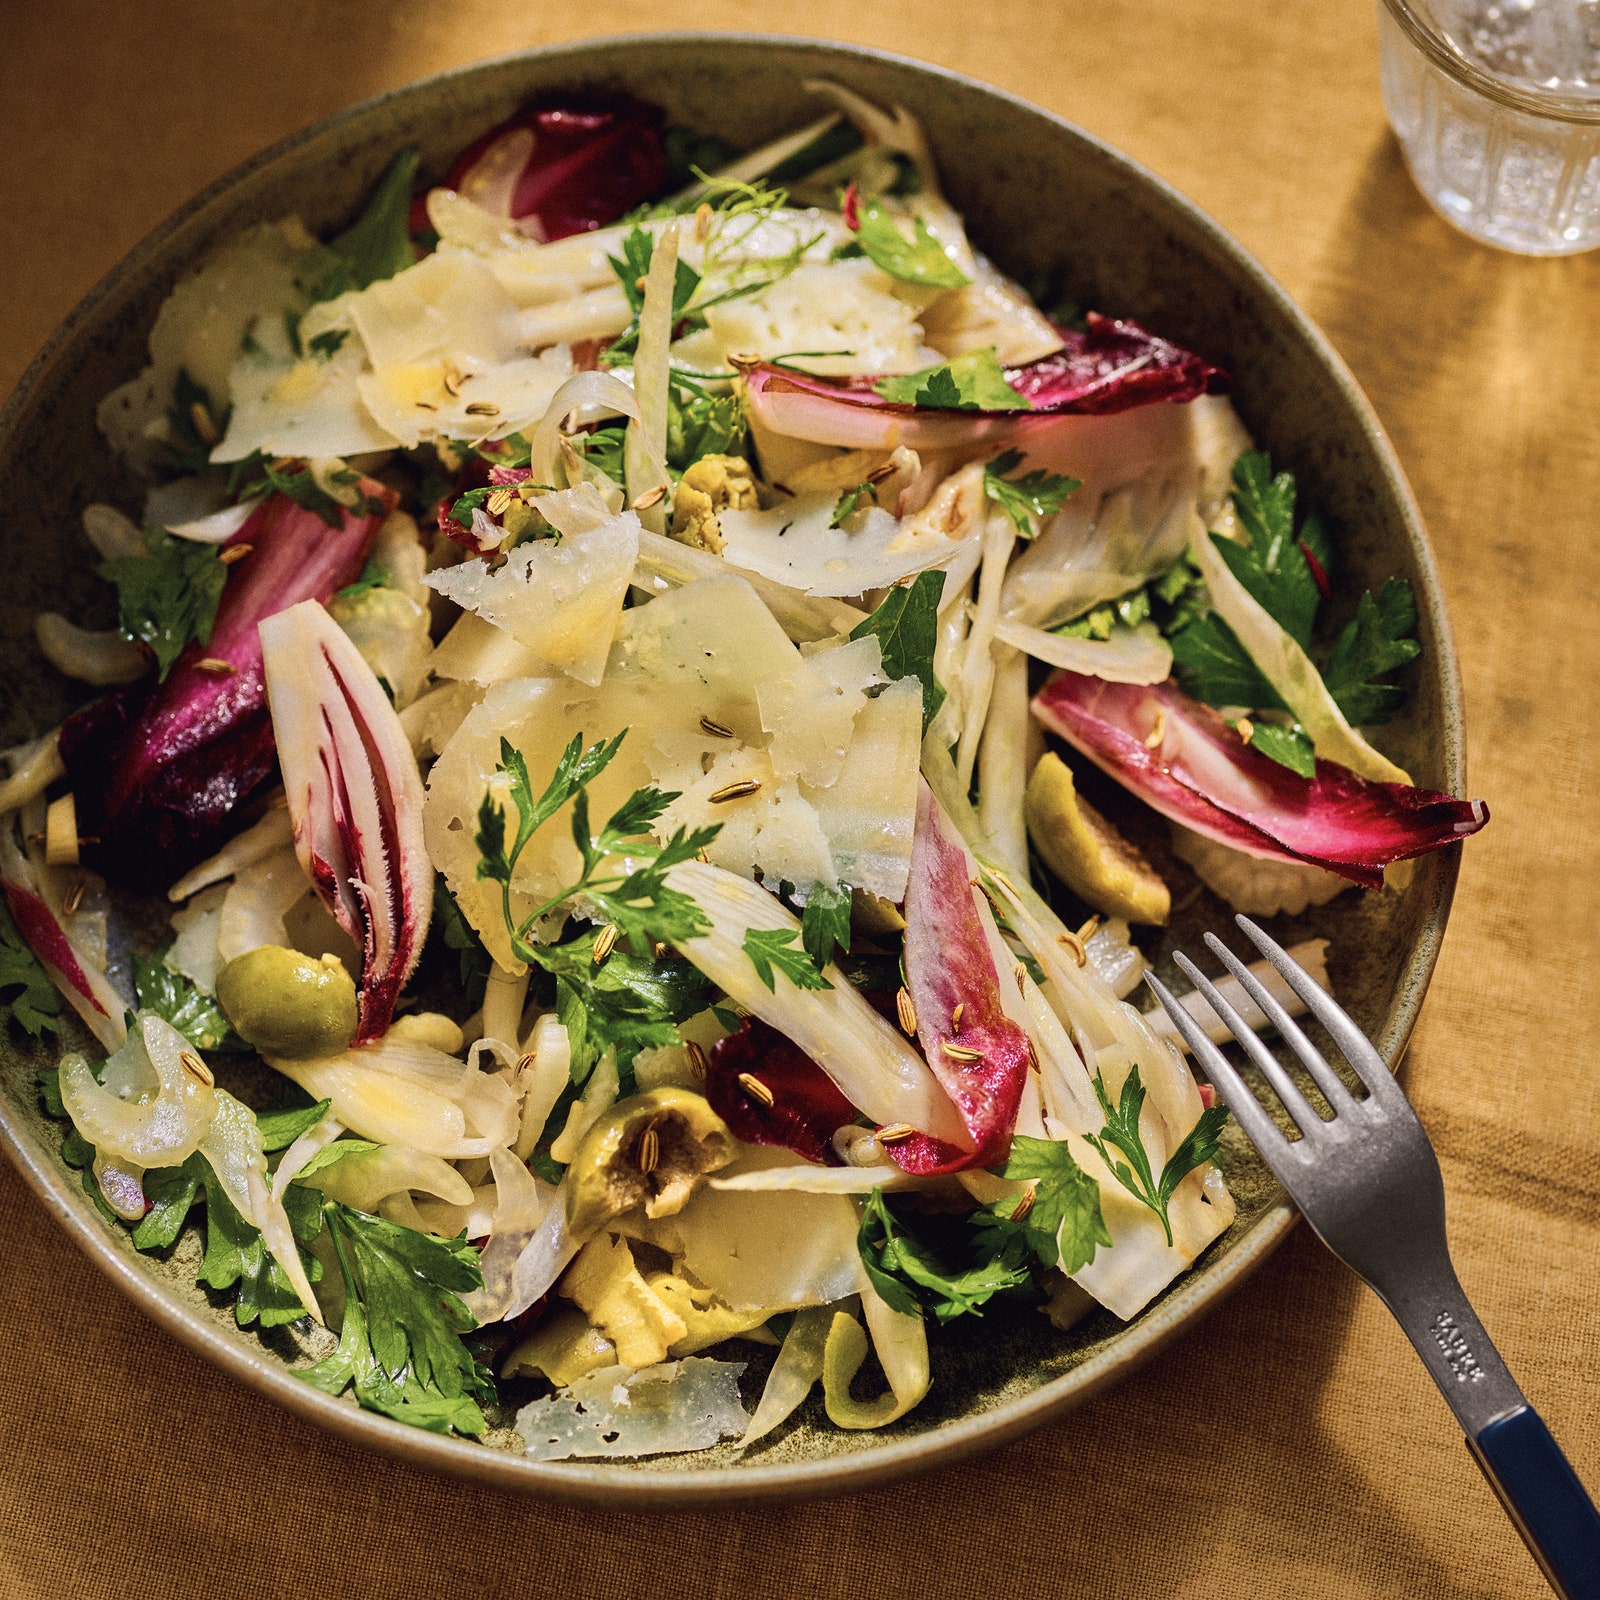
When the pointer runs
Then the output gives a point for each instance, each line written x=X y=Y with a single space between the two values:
x=1113 y=366
x=85 y=989
x=1200 y=773
x=979 y=1054
x=355 y=799
x=566 y=168
x=158 y=771
x=807 y=1106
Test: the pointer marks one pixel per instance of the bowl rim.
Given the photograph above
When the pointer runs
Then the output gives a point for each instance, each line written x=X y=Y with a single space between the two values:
x=952 y=1441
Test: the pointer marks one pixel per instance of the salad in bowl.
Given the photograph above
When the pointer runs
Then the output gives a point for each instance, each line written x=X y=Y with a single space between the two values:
x=619 y=670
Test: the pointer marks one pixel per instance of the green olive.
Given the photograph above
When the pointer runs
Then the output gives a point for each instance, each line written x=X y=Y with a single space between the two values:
x=650 y=1149
x=288 y=1004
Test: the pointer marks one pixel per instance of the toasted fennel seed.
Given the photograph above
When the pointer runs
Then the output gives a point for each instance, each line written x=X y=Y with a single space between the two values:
x=703 y=857
x=525 y=1061
x=234 y=552
x=499 y=502
x=1245 y=728
x=215 y=664
x=959 y=1052
x=651 y=497
x=1020 y=973
x=907 y=1013
x=734 y=791
x=755 y=1088
x=744 y=362
x=423 y=405
x=649 y=1152
x=698 y=1064
x=1090 y=928
x=605 y=942
x=73 y=898
x=715 y=729
x=200 y=416
x=1033 y=1057
x=1024 y=1205
x=1157 y=735
x=988 y=894
x=1075 y=945
x=482 y=408
x=452 y=379
x=196 y=1068
x=895 y=1132
x=886 y=470
x=702 y=221
x=956 y=1015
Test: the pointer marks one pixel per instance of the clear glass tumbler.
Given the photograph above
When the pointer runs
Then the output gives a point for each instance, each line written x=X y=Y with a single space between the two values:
x=1496 y=104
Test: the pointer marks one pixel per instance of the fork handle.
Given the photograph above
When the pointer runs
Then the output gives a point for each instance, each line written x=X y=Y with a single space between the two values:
x=1542 y=1494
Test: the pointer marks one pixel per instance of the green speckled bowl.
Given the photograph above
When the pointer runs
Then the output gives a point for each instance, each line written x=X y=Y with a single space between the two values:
x=1037 y=193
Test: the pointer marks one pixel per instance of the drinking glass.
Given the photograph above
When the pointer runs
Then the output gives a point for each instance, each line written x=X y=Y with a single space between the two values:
x=1496 y=104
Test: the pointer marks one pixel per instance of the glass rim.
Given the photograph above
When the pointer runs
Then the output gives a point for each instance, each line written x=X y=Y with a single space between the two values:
x=1448 y=56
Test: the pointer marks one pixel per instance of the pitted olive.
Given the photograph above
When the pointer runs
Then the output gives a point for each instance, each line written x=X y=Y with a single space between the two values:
x=288 y=1004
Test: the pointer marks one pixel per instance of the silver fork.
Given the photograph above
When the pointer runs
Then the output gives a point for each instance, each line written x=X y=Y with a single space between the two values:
x=1368 y=1182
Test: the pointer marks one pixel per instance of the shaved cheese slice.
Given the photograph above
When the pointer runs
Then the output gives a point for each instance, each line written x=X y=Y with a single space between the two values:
x=694 y=656
x=869 y=812
x=446 y=305
x=772 y=830
x=991 y=314
x=846 y=306
x=777 y=1249
x=414 y=400
x=681 y=1405
x=290 y=405
x=811 y=710
x=795 y=544
x=199 y=329
x=194 y=951
x=561 y=600
x=539 y=716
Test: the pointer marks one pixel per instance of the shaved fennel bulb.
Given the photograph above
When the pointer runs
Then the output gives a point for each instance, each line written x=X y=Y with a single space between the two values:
x=872 y=1063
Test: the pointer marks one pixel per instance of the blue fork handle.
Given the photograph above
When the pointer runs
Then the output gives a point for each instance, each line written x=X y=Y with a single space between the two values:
x=1550 y=1507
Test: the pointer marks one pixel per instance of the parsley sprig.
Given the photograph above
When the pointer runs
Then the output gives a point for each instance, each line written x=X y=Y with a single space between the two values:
x=907 y=630
x=1064 y=1226
x=1121 y=1133
x=258 y=475
x=973 y=382
x=1285 y=567
x=1029 y=500
x=400 y=1346
x=26 y=992
x=236 y=1256
x=920 y=259
x=173 y=997
x=169 y=597
x=825 y=922
x=637 y=902
x=781 y=950
x=912 y=1278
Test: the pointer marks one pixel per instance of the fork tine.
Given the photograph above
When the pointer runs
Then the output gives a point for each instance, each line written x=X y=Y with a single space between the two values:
x=1327 y=1080
x=1286 y=1089
x=1247 y=1110
x=1352 y=1042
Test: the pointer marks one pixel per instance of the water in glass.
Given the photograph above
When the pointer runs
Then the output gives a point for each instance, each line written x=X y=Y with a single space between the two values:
x=1522 y=181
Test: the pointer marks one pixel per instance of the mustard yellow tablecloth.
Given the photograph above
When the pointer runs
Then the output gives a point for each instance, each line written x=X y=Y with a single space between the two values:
x=1291 y=1446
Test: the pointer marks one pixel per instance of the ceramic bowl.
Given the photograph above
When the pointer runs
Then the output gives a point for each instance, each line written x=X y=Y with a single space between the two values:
x=1037 y=194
